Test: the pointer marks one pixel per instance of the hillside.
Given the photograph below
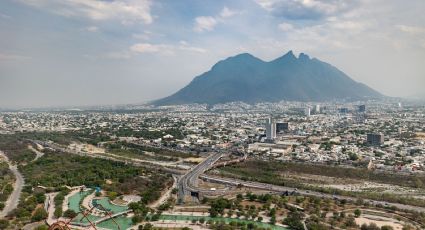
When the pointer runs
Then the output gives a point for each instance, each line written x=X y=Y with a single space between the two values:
x=250 y=79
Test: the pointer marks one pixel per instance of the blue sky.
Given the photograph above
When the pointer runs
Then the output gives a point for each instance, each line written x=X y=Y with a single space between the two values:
x=87 y=52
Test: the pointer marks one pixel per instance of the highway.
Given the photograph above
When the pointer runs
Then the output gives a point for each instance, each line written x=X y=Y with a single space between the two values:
x=283 y=189
x=13 y=200
x=189 y=181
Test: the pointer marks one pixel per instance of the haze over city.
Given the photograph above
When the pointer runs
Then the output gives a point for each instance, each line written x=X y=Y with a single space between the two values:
x=212 y=114
x=76 y=52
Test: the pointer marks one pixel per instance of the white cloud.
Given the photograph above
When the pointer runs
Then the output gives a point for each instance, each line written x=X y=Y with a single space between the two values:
x=349 y=25
x=92 y=29
x=165 y=49
x=205 y=23
x=126 y=11
x=414 y=30
x=226 y=12
x=285 y=26
x=306 y=9
x=208 y=23
x=192 y=48
x=147 y=48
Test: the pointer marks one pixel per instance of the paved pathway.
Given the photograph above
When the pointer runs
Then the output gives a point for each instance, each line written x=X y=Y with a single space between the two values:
x=13 y=200
x=50 y=197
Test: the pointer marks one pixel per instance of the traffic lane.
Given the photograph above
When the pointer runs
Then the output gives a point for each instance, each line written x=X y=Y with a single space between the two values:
x=311 y=193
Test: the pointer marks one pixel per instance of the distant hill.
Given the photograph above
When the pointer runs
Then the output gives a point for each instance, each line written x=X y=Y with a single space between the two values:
x=250 y=79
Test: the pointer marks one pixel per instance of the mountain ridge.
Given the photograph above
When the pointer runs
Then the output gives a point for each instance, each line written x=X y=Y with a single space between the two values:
x=246 y=78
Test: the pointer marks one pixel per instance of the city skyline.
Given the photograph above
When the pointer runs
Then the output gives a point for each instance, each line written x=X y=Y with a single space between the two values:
x=74 y=52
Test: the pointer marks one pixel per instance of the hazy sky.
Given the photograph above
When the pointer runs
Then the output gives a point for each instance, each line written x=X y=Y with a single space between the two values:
x=86 y=52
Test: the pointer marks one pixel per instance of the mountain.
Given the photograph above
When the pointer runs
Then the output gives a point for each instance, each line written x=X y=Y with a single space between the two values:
x=250 y=79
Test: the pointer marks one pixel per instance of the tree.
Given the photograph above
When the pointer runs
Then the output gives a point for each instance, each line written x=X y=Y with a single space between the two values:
x=372 y=226
x=69 y=213
x=42 y=227
x=39 y=214
x=4 y=223
x=353 y=156
x=407 y=227
x=148 y=226
x=58 y=212
x=350 y=222
x=387 y=227
x=293 y=220
x=40 y=197
x=357 y=213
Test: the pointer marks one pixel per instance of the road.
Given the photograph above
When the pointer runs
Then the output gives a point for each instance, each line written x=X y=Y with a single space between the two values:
x=13 y=200
x=282 y=189
x=189 y=181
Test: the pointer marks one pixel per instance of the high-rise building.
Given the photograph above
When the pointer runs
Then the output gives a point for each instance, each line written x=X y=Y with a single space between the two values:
x=343 y=110
x=375 y=138
x=362 y=108
x=270 y=129
x=307 y=111
x=317 y=109
x=282 y=127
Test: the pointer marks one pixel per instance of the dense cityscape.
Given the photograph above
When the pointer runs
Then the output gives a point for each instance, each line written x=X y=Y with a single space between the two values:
x=347 y=153
x=212 y=115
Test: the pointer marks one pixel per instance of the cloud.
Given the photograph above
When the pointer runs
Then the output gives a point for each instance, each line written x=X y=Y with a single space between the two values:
x=205 y=23
x=164 y=49
x=147 y=48
x=92 y=29
x=208 y=23
x=126 y=11
x=5 y=16
x=226 y=12
x=414 y=30
x=306 y=9
x=285 y=26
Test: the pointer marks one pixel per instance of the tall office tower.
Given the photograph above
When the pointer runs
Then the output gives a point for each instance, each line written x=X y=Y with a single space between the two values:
x=375 y=138
x=362 y=108
x=307 y=112
x=317 y=109
x=270 y=129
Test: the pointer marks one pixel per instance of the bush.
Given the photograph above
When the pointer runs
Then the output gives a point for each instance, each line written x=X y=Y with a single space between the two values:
x=58 y=212
x=70 y=213
x=42 y=227
x=4 y=223
x=357 y=213
x=39 y=214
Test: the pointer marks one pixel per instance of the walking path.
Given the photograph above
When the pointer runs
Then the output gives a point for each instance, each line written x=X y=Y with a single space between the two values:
x=13 y=200
x=38 y=154
x=165 y=196
x=51 y=207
